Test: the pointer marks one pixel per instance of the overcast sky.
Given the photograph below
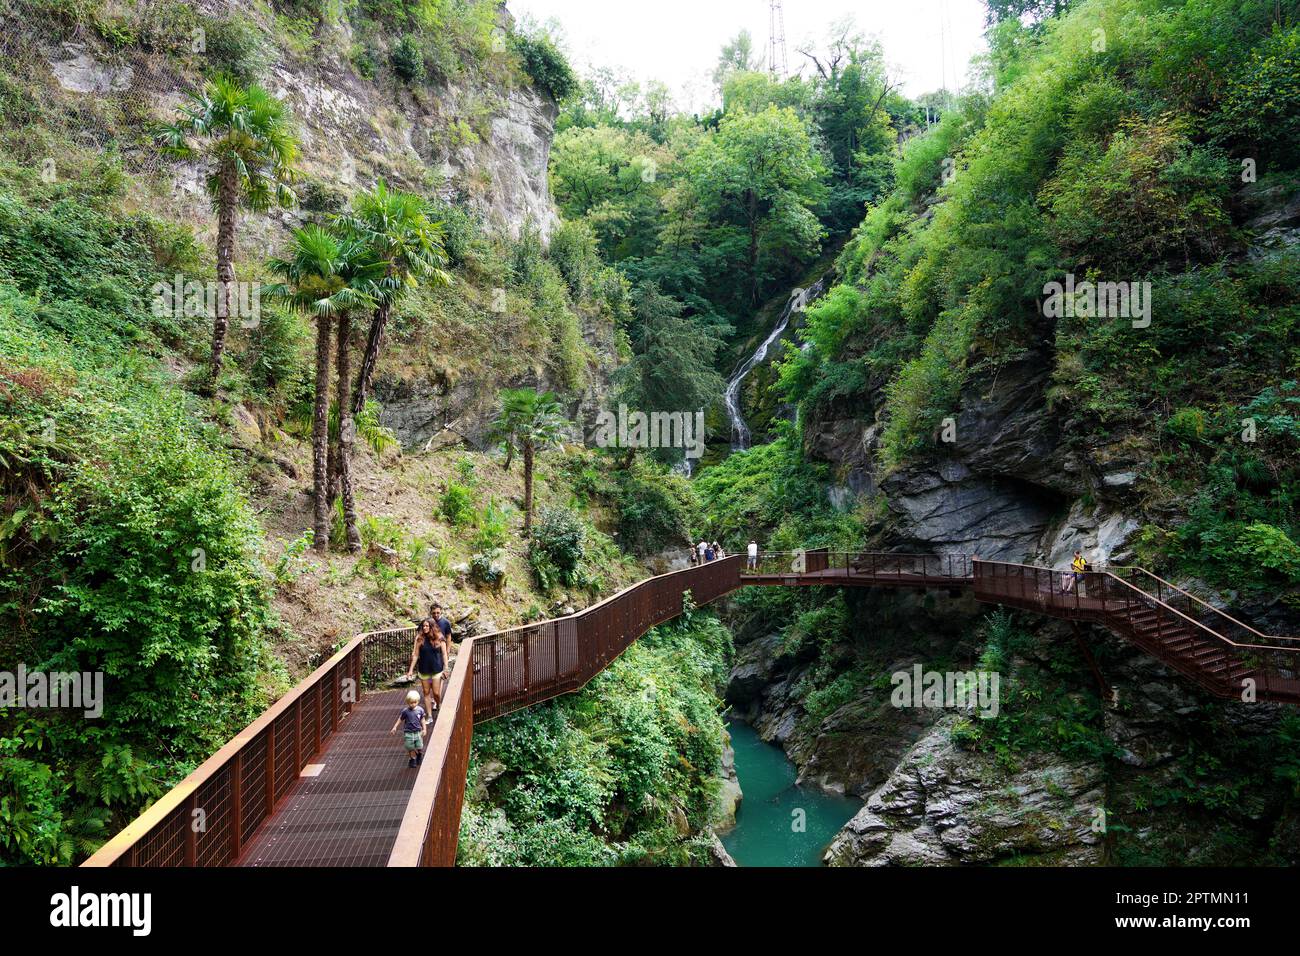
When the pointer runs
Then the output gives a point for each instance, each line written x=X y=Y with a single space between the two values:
x=678 y=41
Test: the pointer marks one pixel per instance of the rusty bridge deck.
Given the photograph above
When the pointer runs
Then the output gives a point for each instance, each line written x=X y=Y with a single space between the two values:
x=347 y=805
x=318 y=780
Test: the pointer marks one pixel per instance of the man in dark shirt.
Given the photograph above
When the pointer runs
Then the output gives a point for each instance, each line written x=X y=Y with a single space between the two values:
x=444 y=625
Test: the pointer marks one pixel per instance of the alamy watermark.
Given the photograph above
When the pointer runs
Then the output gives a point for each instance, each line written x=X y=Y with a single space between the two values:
x=53 y=689
x=937 y=690
x=181 y=298
x=1100 y=300
x=634 y=429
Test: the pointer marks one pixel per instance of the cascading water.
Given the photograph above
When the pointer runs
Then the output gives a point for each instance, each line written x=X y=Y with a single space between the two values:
x=800 y=299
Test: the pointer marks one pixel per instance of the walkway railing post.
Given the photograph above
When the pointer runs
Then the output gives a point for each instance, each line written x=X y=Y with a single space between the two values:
x=191 y=832
x=270 y=769
x=236 y=805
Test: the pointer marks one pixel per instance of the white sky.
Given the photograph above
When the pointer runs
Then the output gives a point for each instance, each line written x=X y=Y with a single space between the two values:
x=678 y=41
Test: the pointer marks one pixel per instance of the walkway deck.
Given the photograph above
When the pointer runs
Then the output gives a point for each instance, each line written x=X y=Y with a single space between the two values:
x=319 y=781
x=349 y=813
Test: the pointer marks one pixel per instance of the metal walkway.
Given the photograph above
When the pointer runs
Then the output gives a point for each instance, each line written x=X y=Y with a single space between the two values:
x=318 y=781
x=347 y=806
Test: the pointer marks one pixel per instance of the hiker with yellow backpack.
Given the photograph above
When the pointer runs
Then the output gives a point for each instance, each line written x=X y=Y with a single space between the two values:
x=1075 y=575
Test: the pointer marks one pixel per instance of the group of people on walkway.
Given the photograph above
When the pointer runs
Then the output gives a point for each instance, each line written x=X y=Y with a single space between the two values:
x=431 y=663
x=707 y=551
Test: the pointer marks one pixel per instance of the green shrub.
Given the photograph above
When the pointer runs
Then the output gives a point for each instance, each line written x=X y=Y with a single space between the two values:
x=457 y=504
x=493 y=528
x=278 y=351
x=128 y=549
x=407 y=58
x=558 y=549
x=597 y=778
x=654 y=506
x=1186 y=425
x=237 y=48
x=545 y=65
x=485 y=569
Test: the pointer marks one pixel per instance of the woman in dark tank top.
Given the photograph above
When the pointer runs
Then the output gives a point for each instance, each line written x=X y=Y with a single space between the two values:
x=428 y=659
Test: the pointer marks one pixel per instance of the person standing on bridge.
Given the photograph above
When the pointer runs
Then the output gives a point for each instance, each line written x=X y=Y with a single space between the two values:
x=751 y=556
x=443 y=624
x=428 y=661
x=413 y=720
x=702 y=547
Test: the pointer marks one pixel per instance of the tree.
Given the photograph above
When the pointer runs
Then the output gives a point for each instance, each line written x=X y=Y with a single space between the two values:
x=399 y=232
x=246 y=138
x=614 y=179
x=671 y=369
x=737 y=56
x=758 y=180
x=529 y=422
x=1035 y=11
x=326 y=275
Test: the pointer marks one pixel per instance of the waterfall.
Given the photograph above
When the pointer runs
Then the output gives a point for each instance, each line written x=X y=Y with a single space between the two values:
x=799 y=300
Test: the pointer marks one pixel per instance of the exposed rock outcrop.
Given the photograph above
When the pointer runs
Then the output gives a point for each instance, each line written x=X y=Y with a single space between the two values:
x=944 y=806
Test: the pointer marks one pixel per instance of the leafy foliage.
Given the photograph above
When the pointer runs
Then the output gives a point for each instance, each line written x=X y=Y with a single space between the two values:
x=606 y=776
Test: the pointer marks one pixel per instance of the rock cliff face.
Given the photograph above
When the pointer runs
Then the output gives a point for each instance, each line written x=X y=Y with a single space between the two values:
x=1158 y=773
x=479 y=139
x=497 y=164
x=1178 y=772
x=937 y=809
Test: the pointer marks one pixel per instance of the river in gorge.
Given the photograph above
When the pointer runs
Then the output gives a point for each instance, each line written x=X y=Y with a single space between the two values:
x=779 y=823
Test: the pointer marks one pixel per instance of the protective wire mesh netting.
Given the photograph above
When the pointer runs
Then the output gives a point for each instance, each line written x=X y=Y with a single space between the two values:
x=97 y=94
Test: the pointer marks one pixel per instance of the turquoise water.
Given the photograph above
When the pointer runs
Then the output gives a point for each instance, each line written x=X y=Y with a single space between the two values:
x=767 y=829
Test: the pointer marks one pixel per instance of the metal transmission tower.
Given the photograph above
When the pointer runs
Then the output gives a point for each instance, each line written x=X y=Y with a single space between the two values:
x=777 y=64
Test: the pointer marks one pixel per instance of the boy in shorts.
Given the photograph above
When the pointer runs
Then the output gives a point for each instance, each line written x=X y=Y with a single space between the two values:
x=413 y=721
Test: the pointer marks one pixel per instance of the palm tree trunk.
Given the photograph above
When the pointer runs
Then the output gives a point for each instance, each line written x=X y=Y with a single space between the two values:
x=528 y=489
x=374 y=342
x=320 y=434
x=347 y=431
x=227 y=206
x=332 y=475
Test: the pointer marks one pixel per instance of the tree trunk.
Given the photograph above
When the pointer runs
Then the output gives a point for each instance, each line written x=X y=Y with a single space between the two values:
x=753 y=249
x=528 y=489
x=510 y=455
x=374 y=342
x=332 y=475
x=347 y=432
x=320 y=434
x=227 y=206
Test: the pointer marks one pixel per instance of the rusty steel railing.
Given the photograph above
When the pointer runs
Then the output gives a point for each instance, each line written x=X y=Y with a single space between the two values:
x=499 y=673
x=239 y=787
x=1213 y=660
x=886 y=567
x=1188 y=604
x=209 y=817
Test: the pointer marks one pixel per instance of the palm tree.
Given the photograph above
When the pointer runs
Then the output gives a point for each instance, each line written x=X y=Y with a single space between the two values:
x=246 y=138
x=529 y=422
x=326 y=275
x=401 y=233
